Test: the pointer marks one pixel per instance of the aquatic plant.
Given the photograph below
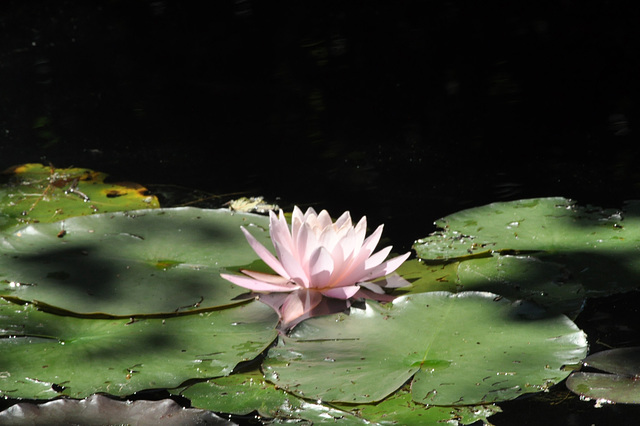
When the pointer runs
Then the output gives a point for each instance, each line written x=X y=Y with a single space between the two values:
x=319 y=259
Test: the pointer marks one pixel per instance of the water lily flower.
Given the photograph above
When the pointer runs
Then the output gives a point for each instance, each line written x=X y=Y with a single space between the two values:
x=320 y=265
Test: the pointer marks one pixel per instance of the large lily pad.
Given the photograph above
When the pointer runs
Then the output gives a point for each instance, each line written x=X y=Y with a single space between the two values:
x=533 y=225
x=461 y=349
x=130 y=263
x=37 y=193
x=598 y=247
x=44 y=355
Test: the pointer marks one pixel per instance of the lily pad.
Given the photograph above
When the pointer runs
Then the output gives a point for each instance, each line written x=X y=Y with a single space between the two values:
x=156 y=261
x=461 y=349
x=43 y=355
x=605 y=388
x=599 y=247
x=546 y=283
x=244 y=393
x=622 y=386
x=619 y=361
x=36 y=193
x=400 y=409
x=241 y=394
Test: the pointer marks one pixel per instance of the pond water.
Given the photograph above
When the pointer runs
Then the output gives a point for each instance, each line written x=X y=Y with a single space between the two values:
x=400 y=113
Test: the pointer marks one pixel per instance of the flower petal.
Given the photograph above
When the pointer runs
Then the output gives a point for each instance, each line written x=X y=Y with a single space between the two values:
x=265 y=254
x=354 y=269
x=297 y=304
x=387 y=267
x=370 y=243
x=324 y=220
x=341 y=292
x=267 y=278
x=306 y=243
x=310 y=213
x=290 y=263
x=255 y=285
x=377 y=258
x=320 y=268
x=279 y=231
x=361 y=231
x=297 y=219
x=343 y=220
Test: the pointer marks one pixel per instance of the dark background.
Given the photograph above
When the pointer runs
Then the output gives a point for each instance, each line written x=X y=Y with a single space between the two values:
x=401 y=110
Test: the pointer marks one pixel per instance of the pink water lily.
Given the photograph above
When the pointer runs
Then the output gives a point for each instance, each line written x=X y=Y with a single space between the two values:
x=319 y=261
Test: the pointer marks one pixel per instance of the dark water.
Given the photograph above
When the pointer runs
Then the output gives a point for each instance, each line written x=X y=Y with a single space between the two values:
x=403 y=111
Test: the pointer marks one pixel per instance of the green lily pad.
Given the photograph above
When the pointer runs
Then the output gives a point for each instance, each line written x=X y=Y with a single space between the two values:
x=598 y=247
x=468 y=348
x=622 y=386
x=44 y=355
x=130 y=263
x=400 y=409
x=546 y=283
x=36 y=193
x=526 y=225
x=532 y=278
x=425 y=277
x=244 y=393
x=241 y=394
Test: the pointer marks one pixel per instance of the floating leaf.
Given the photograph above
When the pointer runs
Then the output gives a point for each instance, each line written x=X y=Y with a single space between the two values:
x=37 y=193
x=622 y=386
x=515 y=277
x=464 y=349
x=532 y=225
x=619 y=361
x=133 y=263
x=244 y=393
x=428 y=277
x=241 y=394
x=597 y=246
x=400 y=409
x=44 y=355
